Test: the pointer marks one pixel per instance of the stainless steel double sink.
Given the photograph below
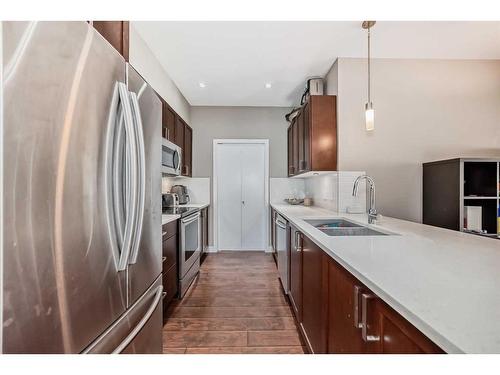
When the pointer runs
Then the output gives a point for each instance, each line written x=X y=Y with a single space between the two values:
x=342 y=227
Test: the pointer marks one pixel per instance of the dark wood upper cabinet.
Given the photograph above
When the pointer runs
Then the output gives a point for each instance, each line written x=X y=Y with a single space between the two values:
x=116 y=33
x=294 y=238
x=291 y=172
x=314 y=136
x=168 y=126
x=179 y=132
x=295 y=147
x=188 y=151
x=314 y=295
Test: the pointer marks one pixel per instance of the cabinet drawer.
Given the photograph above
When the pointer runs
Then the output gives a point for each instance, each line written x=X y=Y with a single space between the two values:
x=169 y=229
x=169 y=252
x=169 y=280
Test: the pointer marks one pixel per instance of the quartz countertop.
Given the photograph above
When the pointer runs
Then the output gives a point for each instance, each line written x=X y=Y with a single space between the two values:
x=444 y=282
x=165 y=219
x=168 y=218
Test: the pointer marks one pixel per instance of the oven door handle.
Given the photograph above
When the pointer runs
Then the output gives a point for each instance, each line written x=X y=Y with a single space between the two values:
x=191 y=218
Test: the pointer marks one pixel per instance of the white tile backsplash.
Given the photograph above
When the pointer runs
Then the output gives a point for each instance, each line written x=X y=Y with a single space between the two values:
x=198 y=187
x=323 y=189
x=334 y=191
x=281 y=188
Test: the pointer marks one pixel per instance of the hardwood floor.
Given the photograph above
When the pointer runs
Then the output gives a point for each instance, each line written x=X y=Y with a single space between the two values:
x=235 y=306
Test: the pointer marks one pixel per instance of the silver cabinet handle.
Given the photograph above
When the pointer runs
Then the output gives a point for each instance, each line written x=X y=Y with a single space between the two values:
x=357 y=293
x=164 y=234
x=141 y=181
x=163 y=259
x=365 y=298
x=163 y=295
x=298 y=246
x=280 y=224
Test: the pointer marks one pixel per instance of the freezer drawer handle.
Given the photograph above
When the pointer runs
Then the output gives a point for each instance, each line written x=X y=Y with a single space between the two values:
x=141 y=323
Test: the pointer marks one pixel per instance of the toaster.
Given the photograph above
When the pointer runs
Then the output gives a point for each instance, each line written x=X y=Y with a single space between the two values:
x=182 y=193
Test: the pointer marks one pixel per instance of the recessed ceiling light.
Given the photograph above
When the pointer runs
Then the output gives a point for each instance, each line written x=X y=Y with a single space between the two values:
x=202 y=85
x=268 y=85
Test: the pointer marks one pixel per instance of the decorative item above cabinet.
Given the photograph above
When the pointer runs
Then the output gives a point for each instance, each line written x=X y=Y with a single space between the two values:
x=312 y=137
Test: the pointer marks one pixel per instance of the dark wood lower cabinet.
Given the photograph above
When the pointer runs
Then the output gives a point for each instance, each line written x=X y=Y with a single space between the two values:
x=314 y=295
x=338 y=314
x=396 y=335
x=344 y=329
x=169 y=264
x=295 y=293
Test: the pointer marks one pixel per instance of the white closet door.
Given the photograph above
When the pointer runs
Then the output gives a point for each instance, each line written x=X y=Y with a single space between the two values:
x=253 y=196
x=229 y=196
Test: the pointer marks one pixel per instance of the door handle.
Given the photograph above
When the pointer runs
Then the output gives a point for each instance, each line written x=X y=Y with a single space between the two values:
x=141 y=163
x=132 y=146
x=298 y=245
x=357 y=294
x=365 y=299
x=163 y=259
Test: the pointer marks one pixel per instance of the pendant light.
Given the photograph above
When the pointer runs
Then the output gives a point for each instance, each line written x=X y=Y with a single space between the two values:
x=369 y=112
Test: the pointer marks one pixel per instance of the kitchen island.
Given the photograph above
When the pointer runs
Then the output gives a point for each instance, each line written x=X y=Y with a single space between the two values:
x=443 y=282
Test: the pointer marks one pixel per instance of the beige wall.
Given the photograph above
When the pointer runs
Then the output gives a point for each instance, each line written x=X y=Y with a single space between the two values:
x=146 y=63
x=210 y=123
x=424 y=110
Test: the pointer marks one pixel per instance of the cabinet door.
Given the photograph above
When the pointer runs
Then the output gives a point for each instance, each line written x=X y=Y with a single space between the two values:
x=344 y=330
x=395 y=334
x=300 y=141
x=295 y=293
x=314 y=295
x=168 y=122
x=116 y=33
x=290 y=151
x=188 y=151
x=306 y=124
x=295 y=148
x=179 y=139
x=179 y=132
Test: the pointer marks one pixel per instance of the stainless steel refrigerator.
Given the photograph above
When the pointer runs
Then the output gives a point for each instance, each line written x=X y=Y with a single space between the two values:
x=81 y=204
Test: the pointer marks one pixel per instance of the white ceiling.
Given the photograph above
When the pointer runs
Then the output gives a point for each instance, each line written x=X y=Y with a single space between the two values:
x=236 y=59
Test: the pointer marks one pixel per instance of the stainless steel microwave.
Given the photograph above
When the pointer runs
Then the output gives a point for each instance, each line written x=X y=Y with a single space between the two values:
x=170 y=158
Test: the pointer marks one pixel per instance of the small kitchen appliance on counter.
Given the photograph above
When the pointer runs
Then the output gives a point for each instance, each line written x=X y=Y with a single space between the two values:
x=169 y=200
x=182 y=193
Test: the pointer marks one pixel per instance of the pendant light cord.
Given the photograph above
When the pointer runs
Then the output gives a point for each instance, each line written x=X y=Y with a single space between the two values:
x=369 y=76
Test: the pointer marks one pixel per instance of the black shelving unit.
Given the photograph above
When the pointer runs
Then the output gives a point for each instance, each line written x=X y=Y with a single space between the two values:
x=450 y=185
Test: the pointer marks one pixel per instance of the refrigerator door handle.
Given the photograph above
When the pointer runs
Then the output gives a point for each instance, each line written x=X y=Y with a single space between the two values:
x=132 y=176
x=113 y=220
x=142 y=177
x=141 y=323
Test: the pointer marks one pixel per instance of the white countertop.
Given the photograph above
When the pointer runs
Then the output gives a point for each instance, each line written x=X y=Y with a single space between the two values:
x=446 y=283
x=165 y=219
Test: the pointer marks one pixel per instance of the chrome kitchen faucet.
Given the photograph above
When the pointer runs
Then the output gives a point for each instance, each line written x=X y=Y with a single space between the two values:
x=372 y=211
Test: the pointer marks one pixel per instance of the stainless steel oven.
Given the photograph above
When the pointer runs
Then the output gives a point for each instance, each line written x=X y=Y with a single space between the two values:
x=189 y=250
x=170 y=158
